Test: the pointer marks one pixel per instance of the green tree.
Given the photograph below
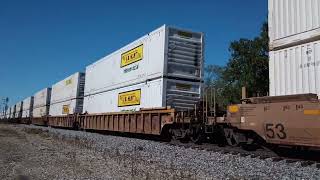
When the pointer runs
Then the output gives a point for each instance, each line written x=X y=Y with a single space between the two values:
x=247 y=66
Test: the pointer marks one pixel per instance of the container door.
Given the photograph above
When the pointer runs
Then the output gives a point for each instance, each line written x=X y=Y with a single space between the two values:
x=185 y=54
x=182 y=95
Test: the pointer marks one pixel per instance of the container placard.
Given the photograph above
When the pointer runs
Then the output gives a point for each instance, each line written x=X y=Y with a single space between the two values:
x=132 y=56
x=184 y=34
x=183 y=87
x=69 y=81
x=129 y=98
x=65 y=109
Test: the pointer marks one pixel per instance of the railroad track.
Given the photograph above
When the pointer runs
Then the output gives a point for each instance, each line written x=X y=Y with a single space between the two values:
x=261 y=153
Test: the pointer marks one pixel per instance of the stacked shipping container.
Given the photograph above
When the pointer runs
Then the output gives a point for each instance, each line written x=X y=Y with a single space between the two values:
x=41 y=103
x=163 y=68
x=294 y=31
x=27 y=107
x=9 y=113
x=13 y=111
x=18 y=113
x=293 y=22
x=67 y=95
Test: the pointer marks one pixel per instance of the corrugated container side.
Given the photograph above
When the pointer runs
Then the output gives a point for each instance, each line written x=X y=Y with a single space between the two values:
x=113 y=71
x=63 y=108
x=41 y=103
x=42 y=98
x=151 y=94
x=26 y=114
x=66 y=89
x=19 y=106
x=40 y=111
x=165 y=52
x=293 y=22
x=27 y=107
x=295 y=70
x=13 y=111
x=67 y=95
x=9 y=114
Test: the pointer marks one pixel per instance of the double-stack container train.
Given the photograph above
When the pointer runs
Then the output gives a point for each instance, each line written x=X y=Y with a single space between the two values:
x=13 y=112
x=162 y=68
x=67 y=95
x=41 y=104
x=27 y=108
x=18 y=113
x=294 y=31
x=155 y=86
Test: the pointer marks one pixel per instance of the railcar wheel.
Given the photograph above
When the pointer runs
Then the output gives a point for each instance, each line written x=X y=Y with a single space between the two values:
x=174 y=138
x=231 y=137
x=76 y=126
x=174 y=134
x=197 y=134
x=179 y=134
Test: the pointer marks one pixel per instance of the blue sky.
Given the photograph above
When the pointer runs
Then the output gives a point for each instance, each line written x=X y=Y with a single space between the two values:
x=42 y=42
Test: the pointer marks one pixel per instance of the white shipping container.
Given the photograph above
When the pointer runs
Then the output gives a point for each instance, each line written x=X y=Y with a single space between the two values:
x=19 y=109
x=66 y=107
x=165 y=52
x=42 y=98
x=13 y=111
x=27 y=107
x=151 y=94
x=26 y=113
x=40 y=111
x=41 y=103
x=9 y=113
x=295 y=70
x=67 y=95
x=293 y=22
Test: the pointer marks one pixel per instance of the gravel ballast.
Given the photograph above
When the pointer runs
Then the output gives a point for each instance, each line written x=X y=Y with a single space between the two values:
x=32 y=152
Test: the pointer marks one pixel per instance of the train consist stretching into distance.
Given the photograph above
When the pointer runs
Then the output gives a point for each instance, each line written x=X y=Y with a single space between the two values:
x=154 y=86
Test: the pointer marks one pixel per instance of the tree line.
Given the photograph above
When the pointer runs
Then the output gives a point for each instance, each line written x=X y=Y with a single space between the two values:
x=247 y=67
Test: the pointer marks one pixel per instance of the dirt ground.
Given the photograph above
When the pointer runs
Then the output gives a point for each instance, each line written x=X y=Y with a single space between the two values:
x=30 y=152
x=33 y=154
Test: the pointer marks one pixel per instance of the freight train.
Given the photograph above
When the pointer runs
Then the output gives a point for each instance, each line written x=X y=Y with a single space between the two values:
x=154 y=86
x=291 y=121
